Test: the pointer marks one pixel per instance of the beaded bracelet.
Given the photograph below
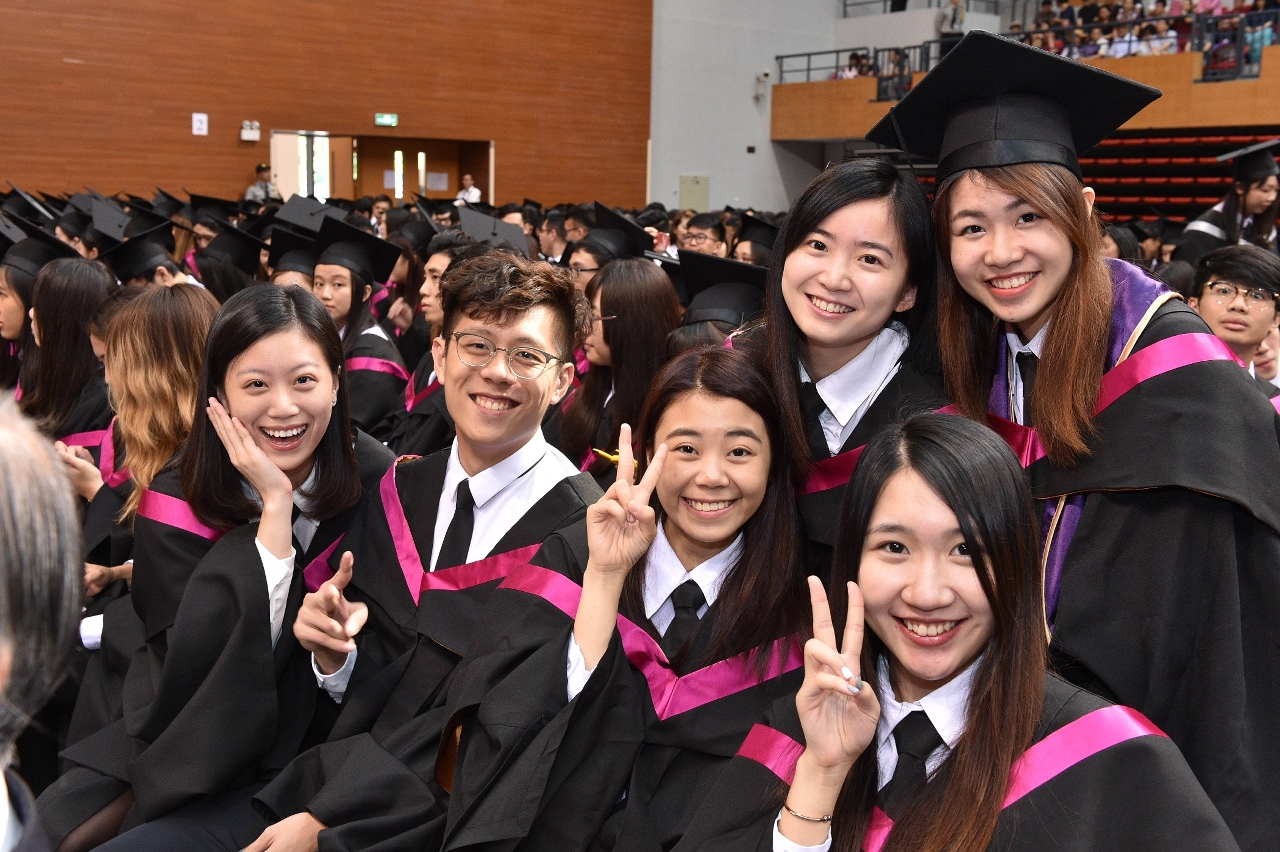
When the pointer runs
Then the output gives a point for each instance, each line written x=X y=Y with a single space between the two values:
x=787 y=808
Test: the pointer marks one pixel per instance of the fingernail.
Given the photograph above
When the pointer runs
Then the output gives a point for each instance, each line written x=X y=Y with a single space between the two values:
x=857 y=684
x=853 y=690
x=846 y=673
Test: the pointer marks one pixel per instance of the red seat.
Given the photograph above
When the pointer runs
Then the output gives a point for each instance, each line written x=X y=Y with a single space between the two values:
x=1104 y=180
x=1208 y=161
x=1212 y=140
x=1182 y=161
x=1129 y=181
x=1180 y=200
x=1108 y=161
x=1157 y=161
x=1208 y=200
x=1158 y=180
x=1129 y=199
x=1153 y=199
x=1106 y=199
x=1181 y=180
x=1111 y=142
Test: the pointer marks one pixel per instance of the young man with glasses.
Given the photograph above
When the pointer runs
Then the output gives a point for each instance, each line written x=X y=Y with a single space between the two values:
x=705 y=235
x=1237 y=287
x=552 y=239
x=388 y=629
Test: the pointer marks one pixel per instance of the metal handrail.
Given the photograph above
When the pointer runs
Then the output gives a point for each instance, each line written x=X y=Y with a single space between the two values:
x=860 y=8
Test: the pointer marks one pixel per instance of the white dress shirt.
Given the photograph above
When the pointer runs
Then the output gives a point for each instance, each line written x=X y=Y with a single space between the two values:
x=471 y=196
x=10 y=823
x=663 y=573
x=1035 y=346
x=502 y=493
x=279 y=572
x=947 y=708
x=849 y=391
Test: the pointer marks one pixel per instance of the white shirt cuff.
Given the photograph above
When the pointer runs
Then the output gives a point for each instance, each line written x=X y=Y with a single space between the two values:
x=782 y=844
x=91 y=632
x=335 y=684
x=279 y=573
x=577 y=669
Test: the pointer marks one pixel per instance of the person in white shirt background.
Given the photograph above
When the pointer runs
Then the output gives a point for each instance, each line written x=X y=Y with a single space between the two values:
x=470 y=193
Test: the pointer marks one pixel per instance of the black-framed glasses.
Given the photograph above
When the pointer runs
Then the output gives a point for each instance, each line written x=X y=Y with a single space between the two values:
x=1224 y=293
x=693 y=239
x=575 y=271
x=525 y=362
x=595 y=317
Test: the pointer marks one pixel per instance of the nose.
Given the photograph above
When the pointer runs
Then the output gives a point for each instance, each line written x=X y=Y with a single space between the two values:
x=1003 y=248
x=498 y=370
x=711 y=472
x=926 y=587
x=1238 y=303
x=283 y=405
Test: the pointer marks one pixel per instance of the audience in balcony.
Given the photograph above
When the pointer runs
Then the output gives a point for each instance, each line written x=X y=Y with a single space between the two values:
x=1158 y=39
x=950 y=25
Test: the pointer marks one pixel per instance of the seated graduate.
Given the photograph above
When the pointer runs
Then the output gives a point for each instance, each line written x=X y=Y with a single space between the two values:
x=849 y=332
x=217 y=703
x=605 y=730
x=1266 y=365
x=40 y=574
x=755 y=241
x=957 y=739
x=348 y=262
x=1236 y=289
x=387 y=634
x=1160 y=543
x=416 y=332
x=633 y=309
x=292 y=259
x=1248 y=212
x=724 y=295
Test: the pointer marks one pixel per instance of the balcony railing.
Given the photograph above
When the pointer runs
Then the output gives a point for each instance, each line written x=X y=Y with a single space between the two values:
x=859 y=8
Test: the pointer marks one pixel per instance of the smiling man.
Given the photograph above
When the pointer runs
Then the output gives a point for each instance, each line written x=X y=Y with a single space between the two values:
x=386 y=635
x=1237 y=287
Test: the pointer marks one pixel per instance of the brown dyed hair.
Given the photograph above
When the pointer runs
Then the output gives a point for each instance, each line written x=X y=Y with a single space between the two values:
x=975 y=473
x=1071 y=366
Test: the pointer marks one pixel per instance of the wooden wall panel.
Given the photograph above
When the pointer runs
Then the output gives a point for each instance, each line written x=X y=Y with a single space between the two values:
x=101 y=92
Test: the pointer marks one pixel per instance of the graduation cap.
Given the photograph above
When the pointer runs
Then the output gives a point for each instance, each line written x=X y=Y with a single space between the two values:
x=137 y=202
x=75 y=223
x=996 y=102
x=529 y=202
x=757 y=231
x=81 y=201
x=291 y=252
x=638 y=239
x=22 y=205
x=671 y=266
x=144 y=224
x=38 y=248
x=720 y=289
x=478 y=226
x=241 y=250
x=169 y=205
x=370 y=257
x=135 y=258
x=10 y=235
x=109 y=220
x=482 y=207
x=213 y=213
x=344 y=204
x=305 y=214
x=54 y=203
x=428 y=209
x=419 y=233
x=257 y=225
x=1253 y=163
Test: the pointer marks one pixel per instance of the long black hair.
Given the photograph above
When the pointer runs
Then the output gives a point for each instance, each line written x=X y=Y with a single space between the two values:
x=360 y=315
x=848 y=183
x=212 y=484
x=18 y=357
x=1259 y=231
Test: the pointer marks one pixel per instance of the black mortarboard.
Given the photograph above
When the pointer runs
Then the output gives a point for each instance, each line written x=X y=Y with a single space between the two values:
x=419 y=233
x=757 y=231
x=137 y=202
x=1253 y=163
x=241 y=250
x=671 y=266
x=370 y=257
x=344 y=204
x=428 y=209
x=638 y=239
x=10 y=235
x=257 y=224
x=31 y=254
x=109 y=220
x=213 y=213
x=482 y=207
x=168 y=205
x=721 y=289
x=54 y=203
x=147 y=225
x=305 y=214
x=478 y=226
x=23 y=205
x=529 y=202
x=82 y=201
x=75 y=222
x=996 y=102
x=291 y=252
x=135 y=258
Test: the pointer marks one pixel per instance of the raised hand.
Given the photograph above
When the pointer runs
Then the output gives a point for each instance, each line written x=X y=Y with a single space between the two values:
x=84 y=474
x=621 y=525
x=327 y=622
x=401 y=314
x=269 y=481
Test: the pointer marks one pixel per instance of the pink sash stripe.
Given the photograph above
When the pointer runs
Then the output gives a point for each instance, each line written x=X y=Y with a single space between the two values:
x=86 y=439
x=175 y=513
x=773 y=749
x=318 y=572
x=412 y=400
x=1275 y=403
x=833 y=472
x=671 y=695
x=481 y=571
x=1071 y=744
x=406 y=549
x=378 y=365
x=1157 y=359
x=107 y=460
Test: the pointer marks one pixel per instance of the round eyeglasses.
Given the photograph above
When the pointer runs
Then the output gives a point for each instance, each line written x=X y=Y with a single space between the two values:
x=1225 y=293
x=525 y=362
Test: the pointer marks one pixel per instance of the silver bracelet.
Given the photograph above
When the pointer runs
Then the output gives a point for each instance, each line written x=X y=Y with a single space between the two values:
x=787 y=808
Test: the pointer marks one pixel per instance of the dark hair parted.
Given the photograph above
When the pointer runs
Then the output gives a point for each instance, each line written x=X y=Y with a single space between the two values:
x=974 y=472
x=764 y=596
x=213 y=486
x=66 y=295
x=18 y=358
x=708 y=222
x=1244 y=265
x=221 y=278
x=1258 y=232
x=867 y=179
x=1075 y=350
x=411 y=288
x=643 y=303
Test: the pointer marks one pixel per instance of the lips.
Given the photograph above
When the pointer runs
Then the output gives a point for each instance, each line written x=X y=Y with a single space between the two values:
x=496 y=404
x=708 y=508
x=827 y=307
x=285 y=439
x=928 y=633
x=1012 y=285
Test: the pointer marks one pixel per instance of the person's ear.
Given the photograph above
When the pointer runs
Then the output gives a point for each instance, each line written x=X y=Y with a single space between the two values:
x=1089 y=197
x=907 y=302
x=368 y=292
x=564 y=381
x=439 y=347
x=1193 y=302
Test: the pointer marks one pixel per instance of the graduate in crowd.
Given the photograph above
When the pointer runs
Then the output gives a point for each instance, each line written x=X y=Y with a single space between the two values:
x=417 y=329
x=234 y=699
x=1159 y=560
x=292 y=258
x=348 y=262
x=705 y=233
x=633 y=309
x=588 y=257
x=849 y=330
x=725 y=295
x=21 y=263
x=1265 y=362
x=756 y=241
x=1236 y=291
x=604 y=730
x=932 y=724
x=388 y=631
x=404 y=287
x=1247 y=214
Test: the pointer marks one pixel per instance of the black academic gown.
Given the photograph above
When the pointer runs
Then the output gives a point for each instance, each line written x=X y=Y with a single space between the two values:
x=626 y=764
x=1138 y=795
x=32 y=838
x=425 y=426
x=371 y=782
x=376 y=377
x=92 y=411
x=1268 y=390
x=1208 y=231
x=414 y=342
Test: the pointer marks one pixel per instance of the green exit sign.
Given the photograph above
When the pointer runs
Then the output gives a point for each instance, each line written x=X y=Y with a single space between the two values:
x=386 y=119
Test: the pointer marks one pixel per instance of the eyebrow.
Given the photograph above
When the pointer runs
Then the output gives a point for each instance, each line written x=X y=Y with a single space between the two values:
x=871 y=244
x=879 y=529
x=978 y=214
x=522 y=340
x=689 y=432
x=307 y=365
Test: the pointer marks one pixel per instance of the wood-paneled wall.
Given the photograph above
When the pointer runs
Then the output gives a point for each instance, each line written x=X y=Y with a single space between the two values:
x=101 y=92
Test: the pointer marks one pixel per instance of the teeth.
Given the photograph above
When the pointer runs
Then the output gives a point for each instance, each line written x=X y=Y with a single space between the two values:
x=710 y=507
x=830 y=307
x=1011 y=283
x=493 y=404
x=935 y=629
x=286 y=433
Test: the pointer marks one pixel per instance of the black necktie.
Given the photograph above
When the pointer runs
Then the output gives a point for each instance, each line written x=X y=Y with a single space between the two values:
x=687 y=599
x=1028 y=363
x=916 y=739
x=813 y=406
x=457 y=540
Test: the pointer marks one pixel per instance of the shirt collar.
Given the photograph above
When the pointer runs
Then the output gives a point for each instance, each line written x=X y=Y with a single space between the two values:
x=299 y=499
x=489 y=482
x=947 y=706
x=663 y=571
x=848 y=388
x=1035 y=345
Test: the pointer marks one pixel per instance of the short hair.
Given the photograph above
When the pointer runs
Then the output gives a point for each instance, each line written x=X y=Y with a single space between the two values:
x=584 y=213
x=263 y=167
x=41 y=571
x=1247 y=266
x=708 y=222
x=382 y=199
x=1179 y=275
x=554 y=221
x=363 y=204
x=651 y=217
x=447 y=243
x=499 y=286
x=601 y=254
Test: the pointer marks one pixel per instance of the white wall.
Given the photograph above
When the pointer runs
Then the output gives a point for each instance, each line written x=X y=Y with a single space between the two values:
x=706 y=55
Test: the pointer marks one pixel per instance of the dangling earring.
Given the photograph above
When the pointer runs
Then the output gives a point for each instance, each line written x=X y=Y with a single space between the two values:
x=334 y=401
